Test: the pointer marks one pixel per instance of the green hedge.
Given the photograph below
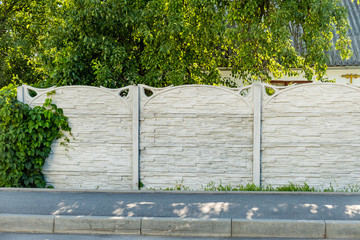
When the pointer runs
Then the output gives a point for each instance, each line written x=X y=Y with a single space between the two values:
x=26 y=135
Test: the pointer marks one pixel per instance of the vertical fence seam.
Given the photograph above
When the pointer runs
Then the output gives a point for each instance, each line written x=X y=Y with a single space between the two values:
x=135 y=137
x=20 y=94
x=257 y=105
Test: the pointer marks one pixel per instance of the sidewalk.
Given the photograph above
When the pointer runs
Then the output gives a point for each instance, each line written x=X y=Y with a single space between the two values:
x=212 y=214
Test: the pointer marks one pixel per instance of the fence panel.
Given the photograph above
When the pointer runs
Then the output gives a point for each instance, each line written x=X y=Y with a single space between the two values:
x=100 y=155
x=194 y=134
x=311 y=133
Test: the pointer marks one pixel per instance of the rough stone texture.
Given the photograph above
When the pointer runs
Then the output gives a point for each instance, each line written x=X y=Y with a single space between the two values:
x=194 y=135
x=311 y=133
x=99 y=155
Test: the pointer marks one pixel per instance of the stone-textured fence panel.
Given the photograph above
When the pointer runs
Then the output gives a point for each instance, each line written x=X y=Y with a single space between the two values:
x=195 y=134
x=311 y=133
x=100 y=155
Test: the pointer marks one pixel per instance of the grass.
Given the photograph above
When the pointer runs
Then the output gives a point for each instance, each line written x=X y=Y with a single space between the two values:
x=291 y=187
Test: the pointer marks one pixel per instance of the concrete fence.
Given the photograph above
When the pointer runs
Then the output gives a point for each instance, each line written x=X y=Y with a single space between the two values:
x=195 y=134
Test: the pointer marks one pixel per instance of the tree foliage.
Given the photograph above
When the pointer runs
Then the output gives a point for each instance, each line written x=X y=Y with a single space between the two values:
x=161 y=42
x=275 y=36
x=21 y=31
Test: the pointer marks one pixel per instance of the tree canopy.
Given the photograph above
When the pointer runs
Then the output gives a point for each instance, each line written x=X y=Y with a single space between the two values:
x=113 y=43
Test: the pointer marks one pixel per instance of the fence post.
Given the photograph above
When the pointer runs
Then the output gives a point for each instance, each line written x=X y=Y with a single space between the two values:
x=257 y=89
x=135 y=138
x=21 y=94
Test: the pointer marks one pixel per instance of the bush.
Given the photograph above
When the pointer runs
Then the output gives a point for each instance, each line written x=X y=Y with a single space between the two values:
x=26 y=135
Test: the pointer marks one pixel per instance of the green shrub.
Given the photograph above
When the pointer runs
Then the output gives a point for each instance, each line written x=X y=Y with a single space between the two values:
x=26 y=135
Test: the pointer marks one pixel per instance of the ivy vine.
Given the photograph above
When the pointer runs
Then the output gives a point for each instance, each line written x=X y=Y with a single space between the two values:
x=26 y=135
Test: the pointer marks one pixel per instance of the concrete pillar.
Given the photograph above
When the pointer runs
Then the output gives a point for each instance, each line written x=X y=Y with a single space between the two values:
x=20 y=94
x=257 y=90
x=135 y=137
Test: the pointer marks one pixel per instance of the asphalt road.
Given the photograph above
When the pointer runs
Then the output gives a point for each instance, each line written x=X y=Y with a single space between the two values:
x=302 y=206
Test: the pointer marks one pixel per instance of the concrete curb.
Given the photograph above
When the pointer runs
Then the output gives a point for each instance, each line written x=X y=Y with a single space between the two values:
x=97 y=225
x=279 y=228
x=193 y=227
x=343 y=229
x=26 y=223
x=161 y=226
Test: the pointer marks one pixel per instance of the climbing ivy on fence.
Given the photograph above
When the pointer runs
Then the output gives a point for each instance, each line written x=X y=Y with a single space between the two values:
x=26 y=135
